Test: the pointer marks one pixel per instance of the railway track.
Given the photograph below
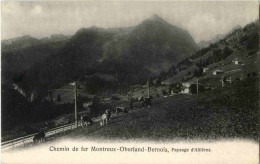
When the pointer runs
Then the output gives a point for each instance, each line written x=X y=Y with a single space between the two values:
x=25 y=140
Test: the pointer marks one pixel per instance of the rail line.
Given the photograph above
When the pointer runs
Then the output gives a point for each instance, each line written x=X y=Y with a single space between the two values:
x=25 y=140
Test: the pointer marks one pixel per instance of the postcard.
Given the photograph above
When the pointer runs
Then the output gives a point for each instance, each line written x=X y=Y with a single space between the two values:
x=129 y=82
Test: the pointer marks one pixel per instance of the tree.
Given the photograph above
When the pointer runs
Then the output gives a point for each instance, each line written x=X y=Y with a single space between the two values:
x=253 y=41
x=95 y=106
x=176 y=87
x=58 y=98
x=198 y=72
x=164 y=93
x=217 y=55
x=227 y=51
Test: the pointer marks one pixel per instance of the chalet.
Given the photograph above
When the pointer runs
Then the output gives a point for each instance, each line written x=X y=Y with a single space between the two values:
x=156 y=81
x=168 y=81
x=86 y=105
x=186 y=87
x=217 y=71
x=205 y=69
x=236 y=61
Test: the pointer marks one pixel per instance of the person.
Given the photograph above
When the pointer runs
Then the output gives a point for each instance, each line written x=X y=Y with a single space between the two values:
x=40 y=136
x=108 y=112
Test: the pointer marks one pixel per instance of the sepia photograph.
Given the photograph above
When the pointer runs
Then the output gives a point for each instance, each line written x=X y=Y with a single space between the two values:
x=130 y=82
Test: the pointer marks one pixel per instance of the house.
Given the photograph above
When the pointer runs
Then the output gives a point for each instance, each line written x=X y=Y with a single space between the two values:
x=205 y=69
x=168 y=81
x=186 y=87
x=236 y=61
x=156 y=81
x=86 y=105
x=217 y=71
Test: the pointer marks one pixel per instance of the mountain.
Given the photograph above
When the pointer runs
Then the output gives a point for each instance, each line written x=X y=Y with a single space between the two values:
x=216 y=38
x=55 y=38
x=154 y=43
x=130 y=54
x=20 y=42
x=28 y=41
x=20 y=54
x=241 y=45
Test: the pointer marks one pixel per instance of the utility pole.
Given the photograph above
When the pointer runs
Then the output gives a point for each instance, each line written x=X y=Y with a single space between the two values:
x=75 y=96
x=222 y=81
x=197 y=86
x=76 y=112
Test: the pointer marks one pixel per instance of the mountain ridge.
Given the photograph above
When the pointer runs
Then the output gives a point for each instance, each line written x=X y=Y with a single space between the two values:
x=134 y=54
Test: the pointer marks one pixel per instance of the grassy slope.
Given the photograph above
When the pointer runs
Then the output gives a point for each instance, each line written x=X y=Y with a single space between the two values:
x=226 y=113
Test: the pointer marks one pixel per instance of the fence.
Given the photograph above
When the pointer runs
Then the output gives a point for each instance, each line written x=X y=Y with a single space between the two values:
x=29 y=138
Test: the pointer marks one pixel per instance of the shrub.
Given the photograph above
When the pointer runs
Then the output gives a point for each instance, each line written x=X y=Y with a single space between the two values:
x=164 y=92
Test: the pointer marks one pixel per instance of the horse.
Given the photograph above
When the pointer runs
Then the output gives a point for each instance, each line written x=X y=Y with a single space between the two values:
x=108 y=112
x=121 y=110
x=104 y=119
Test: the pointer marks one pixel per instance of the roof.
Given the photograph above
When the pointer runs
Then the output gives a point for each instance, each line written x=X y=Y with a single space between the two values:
x=186 y=84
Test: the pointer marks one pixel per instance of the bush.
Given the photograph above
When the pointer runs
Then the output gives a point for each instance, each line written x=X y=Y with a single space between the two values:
x=58 y=98
x=176 y=87
x=164 y=92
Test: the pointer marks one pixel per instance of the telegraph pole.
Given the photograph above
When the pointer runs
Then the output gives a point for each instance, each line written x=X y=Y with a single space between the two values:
x=222 y=81
x=75 y=96
x=230 y=80
x=76 y=112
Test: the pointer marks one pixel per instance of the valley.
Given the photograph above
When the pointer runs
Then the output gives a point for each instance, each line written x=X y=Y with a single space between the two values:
x=196 y=93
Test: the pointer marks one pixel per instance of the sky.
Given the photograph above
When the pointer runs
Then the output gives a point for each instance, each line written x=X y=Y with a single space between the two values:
x=203 y=19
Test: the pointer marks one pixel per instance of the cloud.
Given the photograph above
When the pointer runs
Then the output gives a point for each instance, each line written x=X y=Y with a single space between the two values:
x=203 y=20
x=202 y=23
x=9 y=8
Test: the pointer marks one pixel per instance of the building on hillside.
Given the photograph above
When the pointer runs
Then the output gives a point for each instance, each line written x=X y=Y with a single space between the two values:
x=236 y=61
x=217 y=71
x=168 y=81
x=156 y=81
x=186 y=87
x=205 y=69
x=86 y=105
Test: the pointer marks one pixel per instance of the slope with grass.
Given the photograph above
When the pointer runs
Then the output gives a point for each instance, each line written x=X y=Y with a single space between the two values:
x=218 y=114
